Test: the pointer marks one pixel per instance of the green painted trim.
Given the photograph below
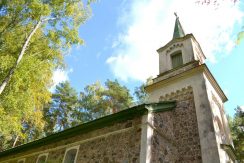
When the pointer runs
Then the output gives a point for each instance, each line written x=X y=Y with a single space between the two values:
x=121 y=116
x=229 y=150
x=161 y=107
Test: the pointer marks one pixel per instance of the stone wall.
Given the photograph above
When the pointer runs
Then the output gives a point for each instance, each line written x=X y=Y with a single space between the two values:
x=176 y=137
x=123 y=148
x=117 y=143
x=164 y=148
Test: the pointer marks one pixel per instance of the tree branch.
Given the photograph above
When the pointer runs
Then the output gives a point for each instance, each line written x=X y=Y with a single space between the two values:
x=21 y=54
x=15 y=141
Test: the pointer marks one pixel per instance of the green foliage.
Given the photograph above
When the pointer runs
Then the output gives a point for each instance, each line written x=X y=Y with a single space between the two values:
x=60 y=114
x=67 y=109
x=116 y=97
x=91 y=101
x=99 y=101
x=22 y=101
x=237 y=131
x=140 y=93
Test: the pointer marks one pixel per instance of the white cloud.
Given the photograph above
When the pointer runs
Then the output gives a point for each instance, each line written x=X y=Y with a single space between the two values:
x=60 y=76
x=242 y=108
x=148 y=25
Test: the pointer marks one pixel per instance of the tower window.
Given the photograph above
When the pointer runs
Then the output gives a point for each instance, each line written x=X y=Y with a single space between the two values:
x=176 y=60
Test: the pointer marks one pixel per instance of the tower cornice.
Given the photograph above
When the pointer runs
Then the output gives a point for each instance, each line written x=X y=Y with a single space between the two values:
x=188 y=36
x=173 y=76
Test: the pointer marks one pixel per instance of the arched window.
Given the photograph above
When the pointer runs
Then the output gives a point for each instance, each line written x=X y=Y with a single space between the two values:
x=42 y=158
x=71 y=155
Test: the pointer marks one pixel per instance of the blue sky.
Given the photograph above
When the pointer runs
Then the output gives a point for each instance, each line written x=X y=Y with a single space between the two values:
x=121 y=39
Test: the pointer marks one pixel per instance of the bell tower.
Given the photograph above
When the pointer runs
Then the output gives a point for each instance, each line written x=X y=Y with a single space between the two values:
x=181 y=50
x=185 y=78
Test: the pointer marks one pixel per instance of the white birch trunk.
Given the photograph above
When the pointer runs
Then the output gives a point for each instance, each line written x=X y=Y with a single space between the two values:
x=21 y=54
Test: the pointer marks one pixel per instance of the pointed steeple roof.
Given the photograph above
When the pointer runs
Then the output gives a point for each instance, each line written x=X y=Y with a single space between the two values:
x=178 y=31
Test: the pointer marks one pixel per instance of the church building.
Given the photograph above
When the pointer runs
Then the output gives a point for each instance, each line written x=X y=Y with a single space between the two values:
x=183 y=121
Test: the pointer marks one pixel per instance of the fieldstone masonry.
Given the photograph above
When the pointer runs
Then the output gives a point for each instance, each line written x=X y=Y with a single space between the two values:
x=123 y=147
x=119 y=143
x=176 y=136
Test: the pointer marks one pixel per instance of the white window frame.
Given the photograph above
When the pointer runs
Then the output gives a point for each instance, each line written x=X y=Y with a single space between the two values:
x=23 y=159
x=75 y=147
x=40 y=155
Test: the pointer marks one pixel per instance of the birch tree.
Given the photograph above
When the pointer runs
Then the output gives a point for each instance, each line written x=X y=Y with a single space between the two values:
x=34 y=36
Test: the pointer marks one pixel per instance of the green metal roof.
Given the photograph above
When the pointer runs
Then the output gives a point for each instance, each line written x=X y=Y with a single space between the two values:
x=178 y=31
x=123 y=115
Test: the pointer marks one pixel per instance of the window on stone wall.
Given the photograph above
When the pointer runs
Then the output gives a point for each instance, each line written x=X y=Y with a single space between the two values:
x=42 y=158
x=21 y=160
x=176 y=60
x=70 y=155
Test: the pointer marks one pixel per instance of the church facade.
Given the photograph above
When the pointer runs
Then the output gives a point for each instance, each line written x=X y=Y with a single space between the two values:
x=183 y=121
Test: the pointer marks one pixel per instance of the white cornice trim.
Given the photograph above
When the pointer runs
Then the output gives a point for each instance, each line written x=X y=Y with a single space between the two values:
x=200 y=69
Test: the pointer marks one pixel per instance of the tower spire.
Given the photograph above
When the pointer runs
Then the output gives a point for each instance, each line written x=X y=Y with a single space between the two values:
x=178 y=31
